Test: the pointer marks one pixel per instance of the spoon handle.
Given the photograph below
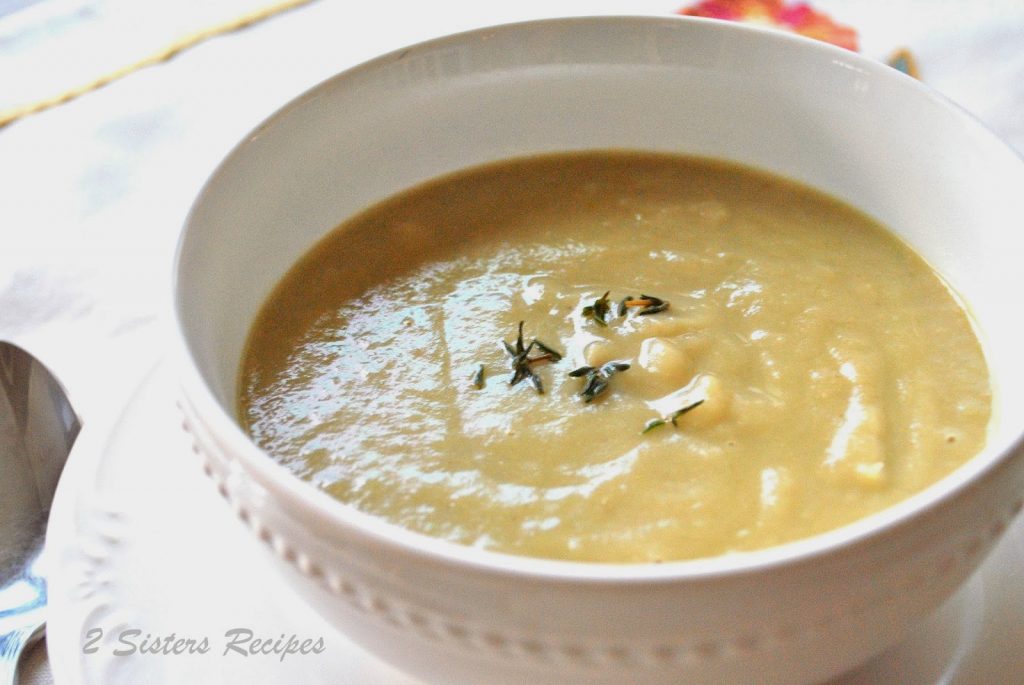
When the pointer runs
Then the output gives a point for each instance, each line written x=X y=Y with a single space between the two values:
x=11 y=646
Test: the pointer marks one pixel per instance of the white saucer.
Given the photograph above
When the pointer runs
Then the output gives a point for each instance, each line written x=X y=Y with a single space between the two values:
x=140 y=540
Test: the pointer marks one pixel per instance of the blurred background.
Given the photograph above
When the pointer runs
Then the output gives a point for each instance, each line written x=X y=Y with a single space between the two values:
x=94 y=191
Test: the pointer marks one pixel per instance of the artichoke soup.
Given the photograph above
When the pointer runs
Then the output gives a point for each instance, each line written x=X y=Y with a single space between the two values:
x=615 y=356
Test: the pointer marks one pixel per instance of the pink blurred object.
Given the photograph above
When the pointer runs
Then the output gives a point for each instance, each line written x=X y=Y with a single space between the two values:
x=798 y=17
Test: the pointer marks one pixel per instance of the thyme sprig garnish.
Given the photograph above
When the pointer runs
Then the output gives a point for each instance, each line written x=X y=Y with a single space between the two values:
x=599 y=311
x=478 y=377
x=622 y=310
x=554 y=356
x=652 y=424
x=522 y=363
x=649 y=304
x=597 y=378
x=671 y=418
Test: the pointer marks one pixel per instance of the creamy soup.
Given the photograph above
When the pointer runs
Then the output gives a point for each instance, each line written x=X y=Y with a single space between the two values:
x=726 y=360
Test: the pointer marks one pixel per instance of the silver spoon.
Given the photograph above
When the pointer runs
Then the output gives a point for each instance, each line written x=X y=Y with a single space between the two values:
x=37 y=428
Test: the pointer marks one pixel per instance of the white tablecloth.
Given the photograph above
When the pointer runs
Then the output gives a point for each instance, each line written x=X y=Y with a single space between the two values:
x=93 y=193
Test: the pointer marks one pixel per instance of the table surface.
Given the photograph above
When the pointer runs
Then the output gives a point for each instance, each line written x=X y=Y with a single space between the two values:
x=93 y=193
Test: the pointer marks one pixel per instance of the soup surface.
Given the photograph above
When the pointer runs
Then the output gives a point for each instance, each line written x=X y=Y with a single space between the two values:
x=817 y=370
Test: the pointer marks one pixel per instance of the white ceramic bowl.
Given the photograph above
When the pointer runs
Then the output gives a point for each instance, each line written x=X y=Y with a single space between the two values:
x=846 y=125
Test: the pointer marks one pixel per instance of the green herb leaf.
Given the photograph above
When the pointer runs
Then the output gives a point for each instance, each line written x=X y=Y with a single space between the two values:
x=597 y=378
x=647 y=304
x=553 y=354
x=612 y=368
x=536 y=383
x=598 y=312
x=652 y=424
x=679 y=412
x=519 y=372
x=623 y=308
x=522 y=363
x=595 y=386
x=656 y=305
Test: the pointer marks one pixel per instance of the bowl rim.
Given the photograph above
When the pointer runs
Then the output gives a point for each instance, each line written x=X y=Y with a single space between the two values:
x=310 y=502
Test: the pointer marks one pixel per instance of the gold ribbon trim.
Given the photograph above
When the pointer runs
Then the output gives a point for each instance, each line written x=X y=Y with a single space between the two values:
x=168 y=52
